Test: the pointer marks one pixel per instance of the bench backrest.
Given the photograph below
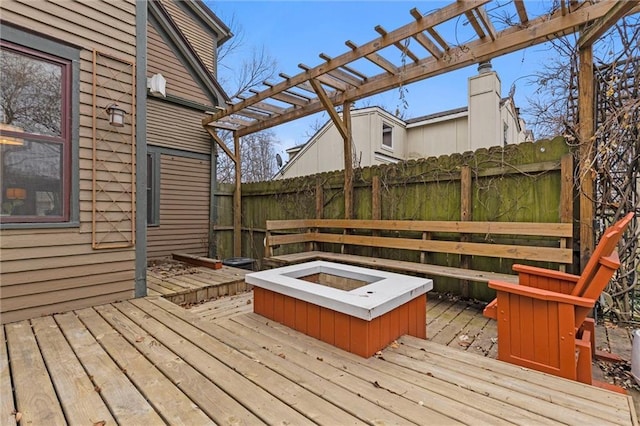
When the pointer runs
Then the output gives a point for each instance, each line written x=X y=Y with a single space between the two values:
x=316 y=231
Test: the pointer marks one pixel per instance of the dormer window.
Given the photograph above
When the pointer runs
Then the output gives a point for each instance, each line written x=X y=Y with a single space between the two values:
x=387 y=136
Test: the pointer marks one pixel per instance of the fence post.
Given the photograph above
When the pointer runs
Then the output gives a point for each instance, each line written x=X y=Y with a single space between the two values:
x=465 y=215
x=376 y=208
x=566 y=199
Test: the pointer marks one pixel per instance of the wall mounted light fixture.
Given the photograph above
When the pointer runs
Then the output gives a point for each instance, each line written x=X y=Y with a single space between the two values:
x=116 y=115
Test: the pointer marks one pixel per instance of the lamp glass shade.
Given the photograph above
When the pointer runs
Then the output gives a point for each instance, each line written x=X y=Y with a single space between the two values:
x=116 y=115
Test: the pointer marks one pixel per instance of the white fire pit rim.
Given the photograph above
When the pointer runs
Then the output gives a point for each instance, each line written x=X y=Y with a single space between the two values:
x=385 y=291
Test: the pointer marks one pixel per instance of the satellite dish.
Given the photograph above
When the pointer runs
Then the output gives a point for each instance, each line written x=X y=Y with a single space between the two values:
x=279 y=160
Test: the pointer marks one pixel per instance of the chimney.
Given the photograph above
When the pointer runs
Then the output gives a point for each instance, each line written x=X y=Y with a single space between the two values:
x=484 y=108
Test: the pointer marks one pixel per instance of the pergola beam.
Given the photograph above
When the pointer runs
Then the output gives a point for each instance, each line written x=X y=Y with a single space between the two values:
x=522 y=11
x=602 y=25
x=439 y=16
x=507 y=41
x=486 y=22
x=221 y=144
x=329 y=107
x=404 y=49
x=428 y=45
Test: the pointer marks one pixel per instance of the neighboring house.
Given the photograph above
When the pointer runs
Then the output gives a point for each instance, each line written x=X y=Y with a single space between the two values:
x=379 y=137
x=183 y=38
x=67 y=174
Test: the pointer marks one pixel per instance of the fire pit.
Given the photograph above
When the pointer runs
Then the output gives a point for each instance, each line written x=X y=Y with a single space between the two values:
x=356 y=309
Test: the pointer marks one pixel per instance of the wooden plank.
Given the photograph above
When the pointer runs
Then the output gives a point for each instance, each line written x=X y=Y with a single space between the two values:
x=471 y=227
x=517 y=392
x=7 y=404
x=231 y=371
x=171 y=403
x=522 y=11
x=398 y=265
x=417 y=404
x=297 y=369
x=588 y=399
x=125 y=401
x=545 y=254
x=465 y=215
x=586 y=153
x=183 y=382
x=80 y=401
x=35 y=395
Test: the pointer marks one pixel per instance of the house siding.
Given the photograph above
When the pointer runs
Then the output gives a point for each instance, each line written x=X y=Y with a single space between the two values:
x=184 y=208
x=161 y=59
x=53 y=270
x=185 y=131
x=198 y=37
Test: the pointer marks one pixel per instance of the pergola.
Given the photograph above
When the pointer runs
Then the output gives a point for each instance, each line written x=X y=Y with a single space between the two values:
x=337 y=81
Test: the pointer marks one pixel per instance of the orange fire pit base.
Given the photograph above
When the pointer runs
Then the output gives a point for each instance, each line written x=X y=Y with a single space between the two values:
x=356 y=309
x=358 y=336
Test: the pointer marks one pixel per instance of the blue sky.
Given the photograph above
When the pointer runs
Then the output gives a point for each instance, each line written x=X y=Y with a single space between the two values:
x=296 y=32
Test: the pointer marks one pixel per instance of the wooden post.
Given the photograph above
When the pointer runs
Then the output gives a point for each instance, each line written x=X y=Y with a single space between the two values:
x=348 y=162
x=319 y=211
x=237 y=201
x=319 y=199
x=376 y=208
x=465 y=215
x=566 y=199
x=586 y=130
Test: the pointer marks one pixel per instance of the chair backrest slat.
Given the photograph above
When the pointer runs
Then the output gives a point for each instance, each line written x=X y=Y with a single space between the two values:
x=594 y=272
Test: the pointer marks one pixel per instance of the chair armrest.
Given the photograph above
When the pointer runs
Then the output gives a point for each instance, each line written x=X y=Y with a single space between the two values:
x=540 y=294
x=547 y=273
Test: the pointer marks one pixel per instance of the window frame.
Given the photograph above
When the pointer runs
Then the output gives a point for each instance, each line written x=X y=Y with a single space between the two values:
x=68 y=57
x=386 y=126
x=153 y=187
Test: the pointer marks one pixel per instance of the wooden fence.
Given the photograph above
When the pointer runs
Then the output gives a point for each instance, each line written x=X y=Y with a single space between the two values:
x=530 y=182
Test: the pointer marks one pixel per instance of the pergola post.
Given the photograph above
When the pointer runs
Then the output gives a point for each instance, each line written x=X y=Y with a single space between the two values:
x=237 y=200
x=348 y=161
x=586 y=131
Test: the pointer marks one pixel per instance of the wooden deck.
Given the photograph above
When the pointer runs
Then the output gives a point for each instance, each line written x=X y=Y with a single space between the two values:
x=185 y=284
x=149 y=361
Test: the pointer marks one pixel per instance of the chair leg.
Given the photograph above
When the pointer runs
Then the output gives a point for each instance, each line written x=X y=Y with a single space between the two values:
x=585 y=345
x=583 y=363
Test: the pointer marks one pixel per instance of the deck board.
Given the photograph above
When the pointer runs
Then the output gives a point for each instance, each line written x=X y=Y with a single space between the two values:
x=275 y=387
x=153 y=362
x=123 y=344
x=186 y=284
x=398 y=396
x=196 y=373
x=125 y=402
x=35 y=396
x=7 y=406
x=77 y=395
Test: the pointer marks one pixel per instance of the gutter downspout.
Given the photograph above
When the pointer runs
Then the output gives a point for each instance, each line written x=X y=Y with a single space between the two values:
x=141 y=149
x=213 y=205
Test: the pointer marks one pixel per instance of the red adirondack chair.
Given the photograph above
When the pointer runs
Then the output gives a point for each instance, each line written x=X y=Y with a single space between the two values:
x=542 y=321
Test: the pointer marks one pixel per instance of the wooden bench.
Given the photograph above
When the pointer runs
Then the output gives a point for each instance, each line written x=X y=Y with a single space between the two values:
x=377 y=244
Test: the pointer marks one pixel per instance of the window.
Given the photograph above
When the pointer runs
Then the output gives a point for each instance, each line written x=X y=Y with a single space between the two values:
x=387 y=133
x=35 y=135
x=153 y=188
